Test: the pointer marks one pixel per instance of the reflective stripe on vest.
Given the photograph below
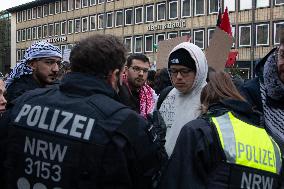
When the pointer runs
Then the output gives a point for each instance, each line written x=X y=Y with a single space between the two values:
x=247 y=145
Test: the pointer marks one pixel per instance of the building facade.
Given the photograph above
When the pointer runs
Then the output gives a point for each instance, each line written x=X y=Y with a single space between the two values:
x=143 y=23
x=5 y=50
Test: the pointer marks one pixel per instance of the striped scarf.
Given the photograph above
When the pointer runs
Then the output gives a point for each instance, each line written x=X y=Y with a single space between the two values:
x=273 y=87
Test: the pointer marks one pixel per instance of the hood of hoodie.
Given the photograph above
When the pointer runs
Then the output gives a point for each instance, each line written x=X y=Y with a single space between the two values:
x=200 y=62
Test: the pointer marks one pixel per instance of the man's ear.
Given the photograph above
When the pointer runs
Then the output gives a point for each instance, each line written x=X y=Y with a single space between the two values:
x=32 y=64
x=113 y=79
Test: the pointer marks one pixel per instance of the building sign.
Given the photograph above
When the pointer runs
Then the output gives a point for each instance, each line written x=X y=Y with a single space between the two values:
x=57 y=39
x=169 y=25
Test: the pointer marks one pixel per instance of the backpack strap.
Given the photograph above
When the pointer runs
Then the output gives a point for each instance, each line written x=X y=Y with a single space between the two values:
x=164 y=93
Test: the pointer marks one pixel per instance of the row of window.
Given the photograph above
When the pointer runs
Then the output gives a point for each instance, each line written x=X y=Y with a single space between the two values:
x=168 y=9
x=139 y=44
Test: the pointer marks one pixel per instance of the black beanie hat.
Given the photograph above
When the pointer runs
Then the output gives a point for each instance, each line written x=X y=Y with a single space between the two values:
x=182 y=57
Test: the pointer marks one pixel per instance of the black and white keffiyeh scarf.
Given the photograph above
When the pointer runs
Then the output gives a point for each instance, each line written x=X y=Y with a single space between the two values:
x=272 y=87
x=40 y=49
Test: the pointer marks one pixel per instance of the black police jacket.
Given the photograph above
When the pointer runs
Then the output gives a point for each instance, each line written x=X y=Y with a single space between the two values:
x=77 y=136
x=197 y=159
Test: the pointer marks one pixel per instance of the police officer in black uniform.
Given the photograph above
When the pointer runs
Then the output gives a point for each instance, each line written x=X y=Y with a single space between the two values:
x=78 y=136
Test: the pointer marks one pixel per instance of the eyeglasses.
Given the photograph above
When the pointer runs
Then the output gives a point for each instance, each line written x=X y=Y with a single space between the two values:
x=184 y=72
x=138 y=69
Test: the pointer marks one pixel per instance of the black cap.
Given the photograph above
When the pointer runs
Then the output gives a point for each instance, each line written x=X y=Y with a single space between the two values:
x=182 y=57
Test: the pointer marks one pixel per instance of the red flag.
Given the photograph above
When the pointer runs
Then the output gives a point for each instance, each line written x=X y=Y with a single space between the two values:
x=231 y=59
x=225 y=23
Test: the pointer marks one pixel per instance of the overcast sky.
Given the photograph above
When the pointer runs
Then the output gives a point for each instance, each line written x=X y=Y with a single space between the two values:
x=5 y=4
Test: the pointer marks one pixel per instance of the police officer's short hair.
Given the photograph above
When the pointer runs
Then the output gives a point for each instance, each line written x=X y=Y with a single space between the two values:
x=137 y=56
x=98 y=54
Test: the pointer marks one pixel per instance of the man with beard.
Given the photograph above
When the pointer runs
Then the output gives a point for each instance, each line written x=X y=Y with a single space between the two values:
x=134 y=92
x=37 y=69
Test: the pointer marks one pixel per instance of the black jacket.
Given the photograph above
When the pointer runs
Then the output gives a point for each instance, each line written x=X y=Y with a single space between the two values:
x=197 y=155
x=78 y=136
x=129 y=98
x=21 y=85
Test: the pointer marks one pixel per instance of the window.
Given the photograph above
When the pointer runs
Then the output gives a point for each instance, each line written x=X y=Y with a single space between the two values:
x=57 y=7
x=279 y=2
x=138 y=44
x=185 y=8
x=93 y=23
x=39 y=32
x=138 y=15
x=160 y=37
x=70 y=26
x=70 y=5
x=51 y=8
x=210 y=34
x=56 y=29
x=23 y=51
x=84 y=3
x=19 y=17
x=173 y=10
x=85 y=23
x=44 y=31
x=39 y=12
x=92 y=2
x=150 y=13
x=19 y=33
x=34 y=32
x=185 y=33
x=64 y=6
x=62 y=48
x=172 y=35
x=24 y=15
x=109 y=0
x=101 y=22
x=128 y=44
x=262 y=3
x=128 y=16
x=19 y=54
x=50 y=30
x=161 y=11
x=45 y=10
x=245 y=4
x=262 y=34
x=77 y=4
x=199 y=6
x=244 y=36
x=231 y=4
x=77 y=25
x=23 y=34
x=29 y=32
x=34 y=13
x=29 y=14
x=63 y=28
x=199 y=38
x=213 y=6
x=101 y=1
x=149 y=43
x=277 y=29
x=118 y=18
x=109 y=20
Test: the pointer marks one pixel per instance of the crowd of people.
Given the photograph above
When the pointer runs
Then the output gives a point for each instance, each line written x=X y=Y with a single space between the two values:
x=108 y=121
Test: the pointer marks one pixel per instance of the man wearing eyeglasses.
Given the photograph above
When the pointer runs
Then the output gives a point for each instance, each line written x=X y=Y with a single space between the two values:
x=135 y=92
x=37 y=69
x=266 y=92
x=187 y=67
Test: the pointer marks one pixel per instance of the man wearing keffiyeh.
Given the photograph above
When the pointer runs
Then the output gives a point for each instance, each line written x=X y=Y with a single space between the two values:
x=135 y=92
x=38 y=68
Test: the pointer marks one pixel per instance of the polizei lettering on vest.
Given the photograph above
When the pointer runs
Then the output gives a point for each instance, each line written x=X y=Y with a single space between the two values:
x=35 y=116
x=258 y=155
x=256 y=181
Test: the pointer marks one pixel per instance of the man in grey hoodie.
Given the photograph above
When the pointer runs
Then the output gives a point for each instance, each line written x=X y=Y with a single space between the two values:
x=188 y=68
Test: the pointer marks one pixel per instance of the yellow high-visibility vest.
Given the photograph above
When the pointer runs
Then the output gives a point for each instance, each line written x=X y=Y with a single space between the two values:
x=247 y=145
